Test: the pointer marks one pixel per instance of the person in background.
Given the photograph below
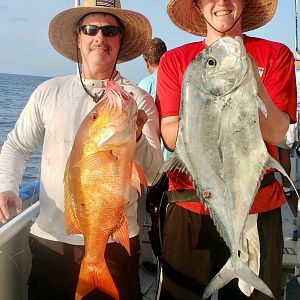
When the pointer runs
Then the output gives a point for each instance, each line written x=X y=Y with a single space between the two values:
x=152 y=57
x=96 y=35
x=193 y=251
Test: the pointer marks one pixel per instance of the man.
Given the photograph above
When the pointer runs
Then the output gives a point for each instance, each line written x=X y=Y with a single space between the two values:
x=193 y=251
x=152 y=57
x=97 y=35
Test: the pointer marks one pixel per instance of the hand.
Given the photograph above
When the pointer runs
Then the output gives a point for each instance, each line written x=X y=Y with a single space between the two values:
x=140 y=122
x=8 y=199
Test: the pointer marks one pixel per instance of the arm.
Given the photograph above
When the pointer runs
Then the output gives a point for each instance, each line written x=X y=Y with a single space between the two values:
x=169 y=128
x=16 y=150
x=148 y=150
x=275 y=125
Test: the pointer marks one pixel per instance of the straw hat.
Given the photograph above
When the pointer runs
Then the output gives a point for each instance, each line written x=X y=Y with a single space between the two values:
x=184 y=15
x=137 y=37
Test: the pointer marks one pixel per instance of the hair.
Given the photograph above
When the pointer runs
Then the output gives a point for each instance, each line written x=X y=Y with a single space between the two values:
x=155 y=51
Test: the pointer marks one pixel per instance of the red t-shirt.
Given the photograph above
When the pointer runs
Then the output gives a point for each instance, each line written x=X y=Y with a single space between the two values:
x=276 y=66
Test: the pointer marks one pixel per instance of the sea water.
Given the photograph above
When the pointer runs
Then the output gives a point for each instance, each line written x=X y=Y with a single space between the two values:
x=15 y=91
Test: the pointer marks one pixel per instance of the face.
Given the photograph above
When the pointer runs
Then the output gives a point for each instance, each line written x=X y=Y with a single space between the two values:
x=222 y=14
x=99 y=51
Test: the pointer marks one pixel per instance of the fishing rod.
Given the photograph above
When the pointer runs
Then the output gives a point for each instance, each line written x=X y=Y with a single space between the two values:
x=296 y=19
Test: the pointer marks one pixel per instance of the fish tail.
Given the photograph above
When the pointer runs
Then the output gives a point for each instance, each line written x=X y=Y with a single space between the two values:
x=93 y=276
x=233 y=270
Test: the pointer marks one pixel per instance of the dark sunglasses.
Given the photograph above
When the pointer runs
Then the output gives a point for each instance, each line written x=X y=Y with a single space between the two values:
x=107 y=30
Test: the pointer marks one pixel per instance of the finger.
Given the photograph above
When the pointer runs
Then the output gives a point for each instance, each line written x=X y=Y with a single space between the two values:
x=4 y=214
x=19 y=205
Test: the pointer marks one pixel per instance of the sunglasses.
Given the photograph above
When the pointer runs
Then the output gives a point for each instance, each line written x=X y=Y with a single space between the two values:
x=107 y=30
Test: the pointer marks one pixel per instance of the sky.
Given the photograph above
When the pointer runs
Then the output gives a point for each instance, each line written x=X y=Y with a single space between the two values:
x=25 y=48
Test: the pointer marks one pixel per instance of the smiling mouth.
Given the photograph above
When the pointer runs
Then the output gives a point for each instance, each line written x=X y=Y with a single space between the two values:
x=222 y=13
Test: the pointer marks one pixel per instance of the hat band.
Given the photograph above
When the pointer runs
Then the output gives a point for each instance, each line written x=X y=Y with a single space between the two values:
x=107 y=3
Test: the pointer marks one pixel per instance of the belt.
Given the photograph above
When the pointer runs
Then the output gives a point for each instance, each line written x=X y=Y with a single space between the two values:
x=191 y=195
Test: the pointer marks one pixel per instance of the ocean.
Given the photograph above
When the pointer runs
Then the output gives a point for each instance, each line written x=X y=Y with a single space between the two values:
x=15 y=91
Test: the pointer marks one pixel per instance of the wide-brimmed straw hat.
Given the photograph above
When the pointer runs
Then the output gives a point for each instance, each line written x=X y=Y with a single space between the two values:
x=184 y=15
x=137 y=37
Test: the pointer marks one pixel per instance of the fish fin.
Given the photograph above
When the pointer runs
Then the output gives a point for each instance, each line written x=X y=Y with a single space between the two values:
x=116 y=138
x=138 y=177
x=93 y=276
x=215 y=217
x=121 y=235
x=261 y=105
x=273 y=163
x=173 y=163
x=70 y=218
x=95 y=160
x=71 y=222
x=229 y=272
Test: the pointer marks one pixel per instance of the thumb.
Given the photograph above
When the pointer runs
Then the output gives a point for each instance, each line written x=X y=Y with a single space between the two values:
x=19 y=205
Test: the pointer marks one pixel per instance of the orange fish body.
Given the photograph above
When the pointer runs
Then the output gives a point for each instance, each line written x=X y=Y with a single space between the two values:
x=98 y=177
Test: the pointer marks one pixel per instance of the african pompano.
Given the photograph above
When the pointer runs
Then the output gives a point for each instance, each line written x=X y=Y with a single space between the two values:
x=220 y=146
x=98 y=177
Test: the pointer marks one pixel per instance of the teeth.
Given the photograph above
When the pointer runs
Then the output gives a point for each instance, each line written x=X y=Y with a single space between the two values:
x=222 y=13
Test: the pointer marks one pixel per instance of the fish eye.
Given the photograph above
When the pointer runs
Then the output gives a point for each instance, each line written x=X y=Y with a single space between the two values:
x=211 y=62
x=93 y=116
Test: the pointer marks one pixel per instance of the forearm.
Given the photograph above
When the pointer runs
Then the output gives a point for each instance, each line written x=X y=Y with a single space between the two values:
x=275 y=125
x=169 y=128
x=12 y=165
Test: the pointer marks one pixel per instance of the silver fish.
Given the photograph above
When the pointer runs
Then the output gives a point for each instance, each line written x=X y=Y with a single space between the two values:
x=220 y=146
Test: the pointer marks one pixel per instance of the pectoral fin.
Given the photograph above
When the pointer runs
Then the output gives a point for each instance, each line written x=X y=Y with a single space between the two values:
x=96 y=160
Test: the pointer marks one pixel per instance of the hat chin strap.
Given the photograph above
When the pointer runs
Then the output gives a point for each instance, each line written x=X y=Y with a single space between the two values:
x=96 y=97
x=221 y=32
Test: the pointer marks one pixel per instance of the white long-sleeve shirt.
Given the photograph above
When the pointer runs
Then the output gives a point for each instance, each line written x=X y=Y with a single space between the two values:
x=51 y=117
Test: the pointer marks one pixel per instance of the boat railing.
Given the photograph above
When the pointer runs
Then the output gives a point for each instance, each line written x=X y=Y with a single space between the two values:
x=15 y=256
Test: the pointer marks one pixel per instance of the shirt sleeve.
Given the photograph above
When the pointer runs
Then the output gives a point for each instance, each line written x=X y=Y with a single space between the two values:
x=168 y=89
x=148 y=152
x=144 y=84
x=20 y=143
x=280 y=82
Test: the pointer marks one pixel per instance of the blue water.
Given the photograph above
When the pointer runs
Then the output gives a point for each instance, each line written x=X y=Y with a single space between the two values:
x=15 y=91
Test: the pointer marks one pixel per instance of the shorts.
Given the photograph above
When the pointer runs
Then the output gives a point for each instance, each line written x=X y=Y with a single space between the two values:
x=56 y=265
x=193 y=253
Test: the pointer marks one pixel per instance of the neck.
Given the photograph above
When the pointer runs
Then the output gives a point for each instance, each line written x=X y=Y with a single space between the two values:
x=98 y=73
x=213 y=35
x=152 y=69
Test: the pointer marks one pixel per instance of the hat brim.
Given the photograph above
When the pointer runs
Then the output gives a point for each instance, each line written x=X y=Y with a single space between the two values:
x=185 y=15
x=137 y=37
